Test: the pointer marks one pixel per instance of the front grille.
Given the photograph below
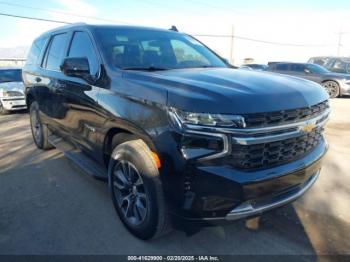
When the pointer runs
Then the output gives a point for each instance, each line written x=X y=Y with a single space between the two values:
x=285 y=116
x=271 y=154
x=13 y=99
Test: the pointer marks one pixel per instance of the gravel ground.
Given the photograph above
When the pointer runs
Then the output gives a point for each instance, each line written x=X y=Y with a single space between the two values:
x=48 y=206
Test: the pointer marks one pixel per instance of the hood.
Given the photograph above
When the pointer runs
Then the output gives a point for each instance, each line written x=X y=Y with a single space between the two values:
x=12 y=86
x=231 y=91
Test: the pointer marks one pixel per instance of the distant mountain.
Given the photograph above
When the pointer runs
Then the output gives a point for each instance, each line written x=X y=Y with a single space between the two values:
x=14 y=52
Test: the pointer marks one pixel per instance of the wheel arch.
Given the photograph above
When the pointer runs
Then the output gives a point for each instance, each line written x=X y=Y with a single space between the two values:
x=29 y=99
x=112 y=131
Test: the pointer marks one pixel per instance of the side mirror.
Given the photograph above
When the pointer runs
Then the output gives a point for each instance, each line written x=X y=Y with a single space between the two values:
x=77 y=67
x=307 y=71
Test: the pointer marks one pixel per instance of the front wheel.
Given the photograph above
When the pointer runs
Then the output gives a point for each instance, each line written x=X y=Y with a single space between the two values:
x=136 y=190
x=332 y=88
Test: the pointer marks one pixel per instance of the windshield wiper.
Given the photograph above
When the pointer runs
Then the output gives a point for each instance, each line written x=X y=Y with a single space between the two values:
x=150 y=68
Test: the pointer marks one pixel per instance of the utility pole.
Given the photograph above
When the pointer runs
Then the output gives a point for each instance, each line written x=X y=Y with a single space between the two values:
x=232 y=60
x=339 y=40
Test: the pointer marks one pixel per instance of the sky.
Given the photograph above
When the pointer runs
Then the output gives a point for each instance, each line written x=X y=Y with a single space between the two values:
x=298 y=29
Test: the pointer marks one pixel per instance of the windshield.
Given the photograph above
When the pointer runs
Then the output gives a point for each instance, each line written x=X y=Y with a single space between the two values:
x=145 y=48
x=317 y=69
x=11 y=75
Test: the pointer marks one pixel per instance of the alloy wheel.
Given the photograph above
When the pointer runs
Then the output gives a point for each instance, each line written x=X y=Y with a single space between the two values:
x=129 y=191
x=331 y=88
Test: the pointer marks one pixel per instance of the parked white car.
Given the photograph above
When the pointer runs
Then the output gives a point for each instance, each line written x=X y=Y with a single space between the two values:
x=11 y=90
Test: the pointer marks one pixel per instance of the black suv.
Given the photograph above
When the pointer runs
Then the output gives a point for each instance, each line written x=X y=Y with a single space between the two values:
x=179 y=135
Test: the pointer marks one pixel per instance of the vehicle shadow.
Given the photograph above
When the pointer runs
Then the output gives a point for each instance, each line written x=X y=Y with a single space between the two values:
x=48 y=206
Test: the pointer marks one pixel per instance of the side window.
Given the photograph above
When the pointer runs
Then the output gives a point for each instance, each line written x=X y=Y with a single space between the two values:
x=339 y=66
x=35 y=51
x=185 y=53
x=297 y=68
x=55 y=53
x=282 y=67
x=81 y=46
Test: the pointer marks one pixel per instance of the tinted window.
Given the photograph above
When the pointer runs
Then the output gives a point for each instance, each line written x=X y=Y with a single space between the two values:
x=143 y=48
x=11 y=75
x=56 y=51
x=81 y=46
x=317 y=69
x=35 y=51
x=340 y=66
x=186 y=54
x=281 y=67
x=297 y=68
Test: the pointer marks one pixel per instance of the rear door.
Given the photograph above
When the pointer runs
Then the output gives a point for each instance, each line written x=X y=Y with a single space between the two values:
x=52 y=79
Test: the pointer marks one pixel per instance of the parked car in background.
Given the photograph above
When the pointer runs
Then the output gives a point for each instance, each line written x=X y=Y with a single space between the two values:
x=258 y=67
x=334 y=64
x=178 y=133
x=334 y=83
x=11 y=90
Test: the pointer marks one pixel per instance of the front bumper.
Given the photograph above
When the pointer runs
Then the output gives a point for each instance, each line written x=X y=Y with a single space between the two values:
x=13 y=103
x=217 y=187
x=221 y=193
x=344 y=89
x=252 y=208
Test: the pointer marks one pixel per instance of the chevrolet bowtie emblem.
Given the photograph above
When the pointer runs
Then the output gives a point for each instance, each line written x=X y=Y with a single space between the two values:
x=308 y=127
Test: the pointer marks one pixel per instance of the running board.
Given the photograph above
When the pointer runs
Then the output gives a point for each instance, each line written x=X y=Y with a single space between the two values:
x=85 y=163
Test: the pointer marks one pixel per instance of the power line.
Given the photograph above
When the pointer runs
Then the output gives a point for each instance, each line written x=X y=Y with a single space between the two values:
x=218 y=7
x=261 y=41
x=203 y=35
x=34 y=18
x=64 y=13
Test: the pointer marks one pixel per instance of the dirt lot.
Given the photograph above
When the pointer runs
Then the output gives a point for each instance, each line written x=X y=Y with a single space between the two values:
x=48 y=206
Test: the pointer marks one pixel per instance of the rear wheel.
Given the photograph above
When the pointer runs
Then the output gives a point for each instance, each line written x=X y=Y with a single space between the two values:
x=40 y=131
x=136 y=190
x=332 y=88
x=3 y=111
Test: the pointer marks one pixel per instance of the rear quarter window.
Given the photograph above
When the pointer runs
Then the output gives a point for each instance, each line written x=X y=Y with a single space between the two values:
x=35 y=51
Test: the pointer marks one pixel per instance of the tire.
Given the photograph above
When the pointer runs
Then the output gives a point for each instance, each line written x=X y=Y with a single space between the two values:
x=136 y=190
x=40 y=132
x=3 y=111
x=332 y=88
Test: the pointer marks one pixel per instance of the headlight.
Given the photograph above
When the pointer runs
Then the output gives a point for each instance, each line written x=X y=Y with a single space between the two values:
x=5 y=94
x=11 y=93
x=207 y=119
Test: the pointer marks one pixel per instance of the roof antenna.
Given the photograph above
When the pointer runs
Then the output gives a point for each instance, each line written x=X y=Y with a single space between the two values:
x=173 y=28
